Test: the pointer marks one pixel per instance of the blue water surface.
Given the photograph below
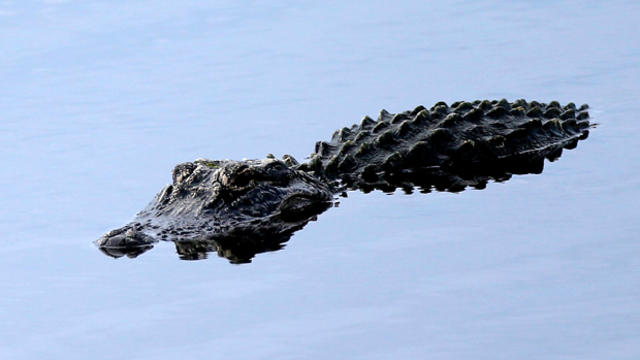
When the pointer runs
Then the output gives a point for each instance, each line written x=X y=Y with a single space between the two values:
x=100 y=99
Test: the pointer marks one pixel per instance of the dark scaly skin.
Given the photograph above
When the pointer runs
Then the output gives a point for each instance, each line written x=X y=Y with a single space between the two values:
x=478 y=139
x=240 y=208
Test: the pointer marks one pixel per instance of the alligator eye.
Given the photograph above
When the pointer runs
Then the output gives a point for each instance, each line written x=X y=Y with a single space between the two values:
x=276 y=166
x=241 y=178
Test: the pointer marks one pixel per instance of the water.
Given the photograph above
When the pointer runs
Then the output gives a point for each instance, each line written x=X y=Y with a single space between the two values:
x=101 y=99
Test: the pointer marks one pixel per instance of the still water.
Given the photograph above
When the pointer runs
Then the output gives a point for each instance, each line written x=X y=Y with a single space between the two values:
x=99 y=100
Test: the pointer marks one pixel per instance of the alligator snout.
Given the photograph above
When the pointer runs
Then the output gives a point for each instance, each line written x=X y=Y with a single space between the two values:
x=126 y=237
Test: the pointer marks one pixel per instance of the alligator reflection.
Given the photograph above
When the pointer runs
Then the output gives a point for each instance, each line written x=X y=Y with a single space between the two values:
x=238 y=249
x=237 y=246
x=241 y=246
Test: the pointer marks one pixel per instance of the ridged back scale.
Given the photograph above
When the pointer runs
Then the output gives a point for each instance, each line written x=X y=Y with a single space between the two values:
x=480 y=136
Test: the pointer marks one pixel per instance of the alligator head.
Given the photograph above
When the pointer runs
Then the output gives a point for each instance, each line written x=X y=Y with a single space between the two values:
x=223 y=200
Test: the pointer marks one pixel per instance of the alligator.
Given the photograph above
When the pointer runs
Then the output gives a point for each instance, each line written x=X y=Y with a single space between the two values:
x=241 y=208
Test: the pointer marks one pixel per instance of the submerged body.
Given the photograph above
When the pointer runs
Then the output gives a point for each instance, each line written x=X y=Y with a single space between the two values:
x=257 y=204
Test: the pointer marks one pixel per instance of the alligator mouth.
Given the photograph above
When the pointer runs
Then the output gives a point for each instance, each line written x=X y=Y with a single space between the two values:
x=298 y=207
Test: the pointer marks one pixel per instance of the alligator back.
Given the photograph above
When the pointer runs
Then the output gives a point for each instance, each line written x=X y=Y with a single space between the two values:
x=475 y=139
